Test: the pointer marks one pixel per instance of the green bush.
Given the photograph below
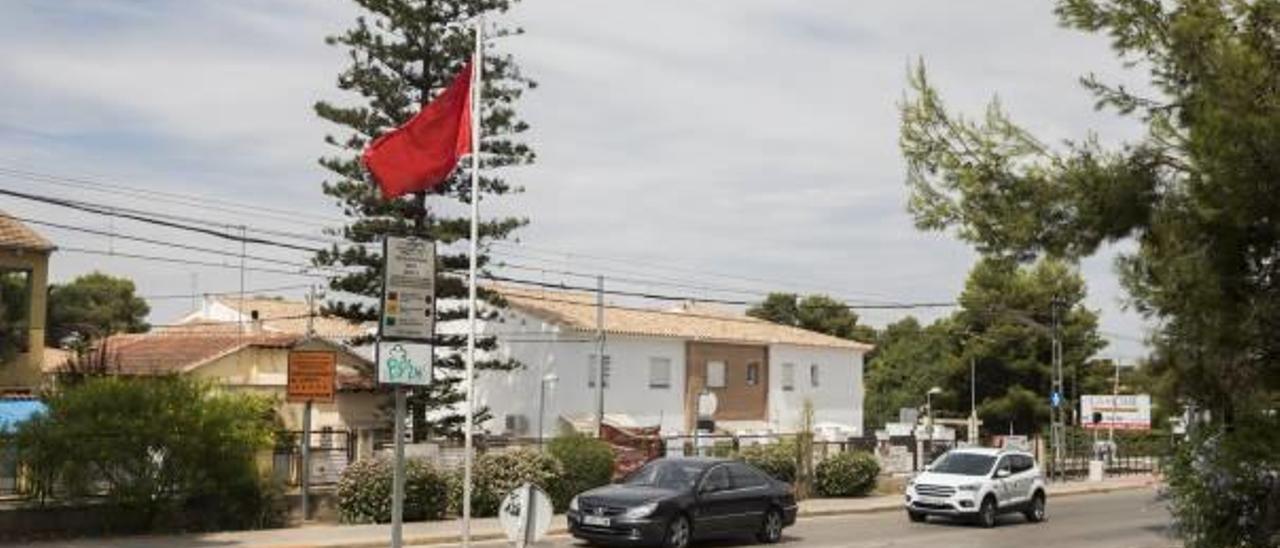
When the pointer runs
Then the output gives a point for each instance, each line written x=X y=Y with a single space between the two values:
x=779 y=460
x=1224 y=485
x=851 y=474
x=587 y=462
x=495 y=475
x=189 y=449
x=364 y=491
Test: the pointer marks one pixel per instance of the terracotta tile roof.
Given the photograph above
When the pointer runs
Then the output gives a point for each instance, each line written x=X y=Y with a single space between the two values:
x=179 y=352
x=15 y=235
x=172 y=352
x=576 y=311
x=285 y=316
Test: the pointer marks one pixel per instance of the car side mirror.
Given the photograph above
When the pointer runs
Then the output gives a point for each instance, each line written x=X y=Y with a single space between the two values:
x=1002 y=473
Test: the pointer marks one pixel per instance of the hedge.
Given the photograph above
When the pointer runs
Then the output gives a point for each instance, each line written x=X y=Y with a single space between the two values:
x=588 y=463
x=850 y=474
x=776 y=459
x=494 y=475
x=364 y=491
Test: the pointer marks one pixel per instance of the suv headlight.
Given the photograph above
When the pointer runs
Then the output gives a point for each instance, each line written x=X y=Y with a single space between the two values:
x=573 y=504
x=642 y=511
x=970 y=487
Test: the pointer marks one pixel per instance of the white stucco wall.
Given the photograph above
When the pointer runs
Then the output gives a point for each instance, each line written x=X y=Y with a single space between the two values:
x=837 y=398
x=543 y=349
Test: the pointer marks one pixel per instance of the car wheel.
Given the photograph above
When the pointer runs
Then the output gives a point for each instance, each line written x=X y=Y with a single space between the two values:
x=771 y=528
x=916 y=517
x=987 y=513
x=1036 y=512
x=678 y=533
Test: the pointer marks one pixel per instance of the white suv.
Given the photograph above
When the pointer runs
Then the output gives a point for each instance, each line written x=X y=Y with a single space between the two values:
x=978 y=484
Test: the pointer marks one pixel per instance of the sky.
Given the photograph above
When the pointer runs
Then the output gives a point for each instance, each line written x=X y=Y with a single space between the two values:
x=736 y=144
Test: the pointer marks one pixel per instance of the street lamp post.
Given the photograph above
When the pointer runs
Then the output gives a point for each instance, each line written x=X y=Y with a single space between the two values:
x=548 y=383
x=928 y=405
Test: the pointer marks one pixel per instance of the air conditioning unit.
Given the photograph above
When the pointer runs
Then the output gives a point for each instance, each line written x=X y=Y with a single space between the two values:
x=517 y=425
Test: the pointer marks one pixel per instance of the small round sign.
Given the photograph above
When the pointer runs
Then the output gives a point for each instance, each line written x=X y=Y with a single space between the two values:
x=707 y=404
x=525 y=515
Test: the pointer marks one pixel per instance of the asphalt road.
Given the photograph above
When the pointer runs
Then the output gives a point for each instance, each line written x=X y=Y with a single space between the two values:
x=1123 y=519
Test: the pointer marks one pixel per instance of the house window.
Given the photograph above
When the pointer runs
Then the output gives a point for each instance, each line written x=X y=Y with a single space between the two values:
x=813 y=375
x=788 y=376
x=715 y=374
x=753 y=373
x=659 y=373
x=592 y=371
x=15 y=306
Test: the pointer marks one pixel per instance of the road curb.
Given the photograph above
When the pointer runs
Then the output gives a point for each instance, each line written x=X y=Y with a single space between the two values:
x=454 y=538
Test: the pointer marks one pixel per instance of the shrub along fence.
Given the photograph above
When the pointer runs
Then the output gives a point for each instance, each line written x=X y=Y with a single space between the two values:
x=133 y=455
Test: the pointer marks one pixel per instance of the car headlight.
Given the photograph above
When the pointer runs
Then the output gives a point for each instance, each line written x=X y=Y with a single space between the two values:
x=573 y=504
x=970 y=487
x=642 y=511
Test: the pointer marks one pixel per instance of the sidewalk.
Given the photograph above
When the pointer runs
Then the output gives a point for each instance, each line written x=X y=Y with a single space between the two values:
x=440 y=532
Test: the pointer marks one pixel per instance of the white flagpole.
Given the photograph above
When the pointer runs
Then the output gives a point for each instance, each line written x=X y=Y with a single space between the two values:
x=477 y=69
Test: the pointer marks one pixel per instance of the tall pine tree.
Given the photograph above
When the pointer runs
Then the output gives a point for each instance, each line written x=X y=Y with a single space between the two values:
x=402 y=54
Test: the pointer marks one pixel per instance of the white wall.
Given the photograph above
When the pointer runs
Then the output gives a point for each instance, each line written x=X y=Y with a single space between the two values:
x=837 y=398
x=542 y=348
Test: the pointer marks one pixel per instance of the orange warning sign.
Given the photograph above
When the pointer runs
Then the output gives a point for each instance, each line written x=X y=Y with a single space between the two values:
x=312 y=375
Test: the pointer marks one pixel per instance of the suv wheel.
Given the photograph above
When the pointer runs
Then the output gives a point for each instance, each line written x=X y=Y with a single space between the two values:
x=1035 y=513
x=916 y=517
x=987 y=513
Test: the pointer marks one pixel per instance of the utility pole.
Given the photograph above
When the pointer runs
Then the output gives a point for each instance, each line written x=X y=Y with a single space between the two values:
x=601 y=362
x=1058 y=427
x=1115 y=395
x=973 y=400
x=306 y=417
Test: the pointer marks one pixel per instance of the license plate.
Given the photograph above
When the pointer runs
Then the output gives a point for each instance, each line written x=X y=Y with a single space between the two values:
x=932 y=500
x=598 y=521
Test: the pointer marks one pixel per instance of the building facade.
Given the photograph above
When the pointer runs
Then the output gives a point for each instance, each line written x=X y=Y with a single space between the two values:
x=658 y=365
x=24 y=280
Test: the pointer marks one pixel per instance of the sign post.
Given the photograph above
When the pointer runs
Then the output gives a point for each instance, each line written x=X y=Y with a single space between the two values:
x=311 y=377
x=404 y=352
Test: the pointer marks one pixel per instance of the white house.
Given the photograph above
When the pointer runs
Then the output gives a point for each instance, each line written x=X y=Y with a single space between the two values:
x=658 y=361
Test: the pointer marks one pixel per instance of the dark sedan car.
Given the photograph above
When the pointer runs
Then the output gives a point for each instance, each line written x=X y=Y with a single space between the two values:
x=670 y=502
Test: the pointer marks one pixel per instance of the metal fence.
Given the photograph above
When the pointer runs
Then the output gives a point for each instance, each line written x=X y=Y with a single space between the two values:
x=331 y=452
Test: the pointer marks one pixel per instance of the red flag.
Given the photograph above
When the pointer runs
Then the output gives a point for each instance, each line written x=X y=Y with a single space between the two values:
x=421 y=154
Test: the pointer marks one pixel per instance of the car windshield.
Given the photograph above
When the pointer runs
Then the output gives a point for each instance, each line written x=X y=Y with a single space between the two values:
x=964 y=464
x=666 y=474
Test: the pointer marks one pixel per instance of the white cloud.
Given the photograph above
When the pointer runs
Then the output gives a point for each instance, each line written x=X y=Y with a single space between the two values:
x=739 y=136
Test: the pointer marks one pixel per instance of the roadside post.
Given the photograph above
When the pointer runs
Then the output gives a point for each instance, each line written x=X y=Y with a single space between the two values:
x=403 y=348
x=311 y=376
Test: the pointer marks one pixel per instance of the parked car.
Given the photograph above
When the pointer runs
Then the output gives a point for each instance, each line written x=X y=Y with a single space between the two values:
x=978 y=484
x=670 y=502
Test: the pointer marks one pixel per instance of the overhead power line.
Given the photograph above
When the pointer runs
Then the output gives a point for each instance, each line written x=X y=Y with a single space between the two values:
x=253 y=290
x=190 y=262
x=153 y=241
x=203 y=202
x=149 y=218
x=688 y=298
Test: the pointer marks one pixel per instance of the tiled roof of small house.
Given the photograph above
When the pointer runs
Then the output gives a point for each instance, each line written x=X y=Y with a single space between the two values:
x=180 y=351
x=577 y=311
x=16 y=235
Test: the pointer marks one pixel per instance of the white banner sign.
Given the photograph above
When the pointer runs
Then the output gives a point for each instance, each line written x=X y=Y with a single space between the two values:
x=1124 y=412
x=408 y=298
x=404 y=363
